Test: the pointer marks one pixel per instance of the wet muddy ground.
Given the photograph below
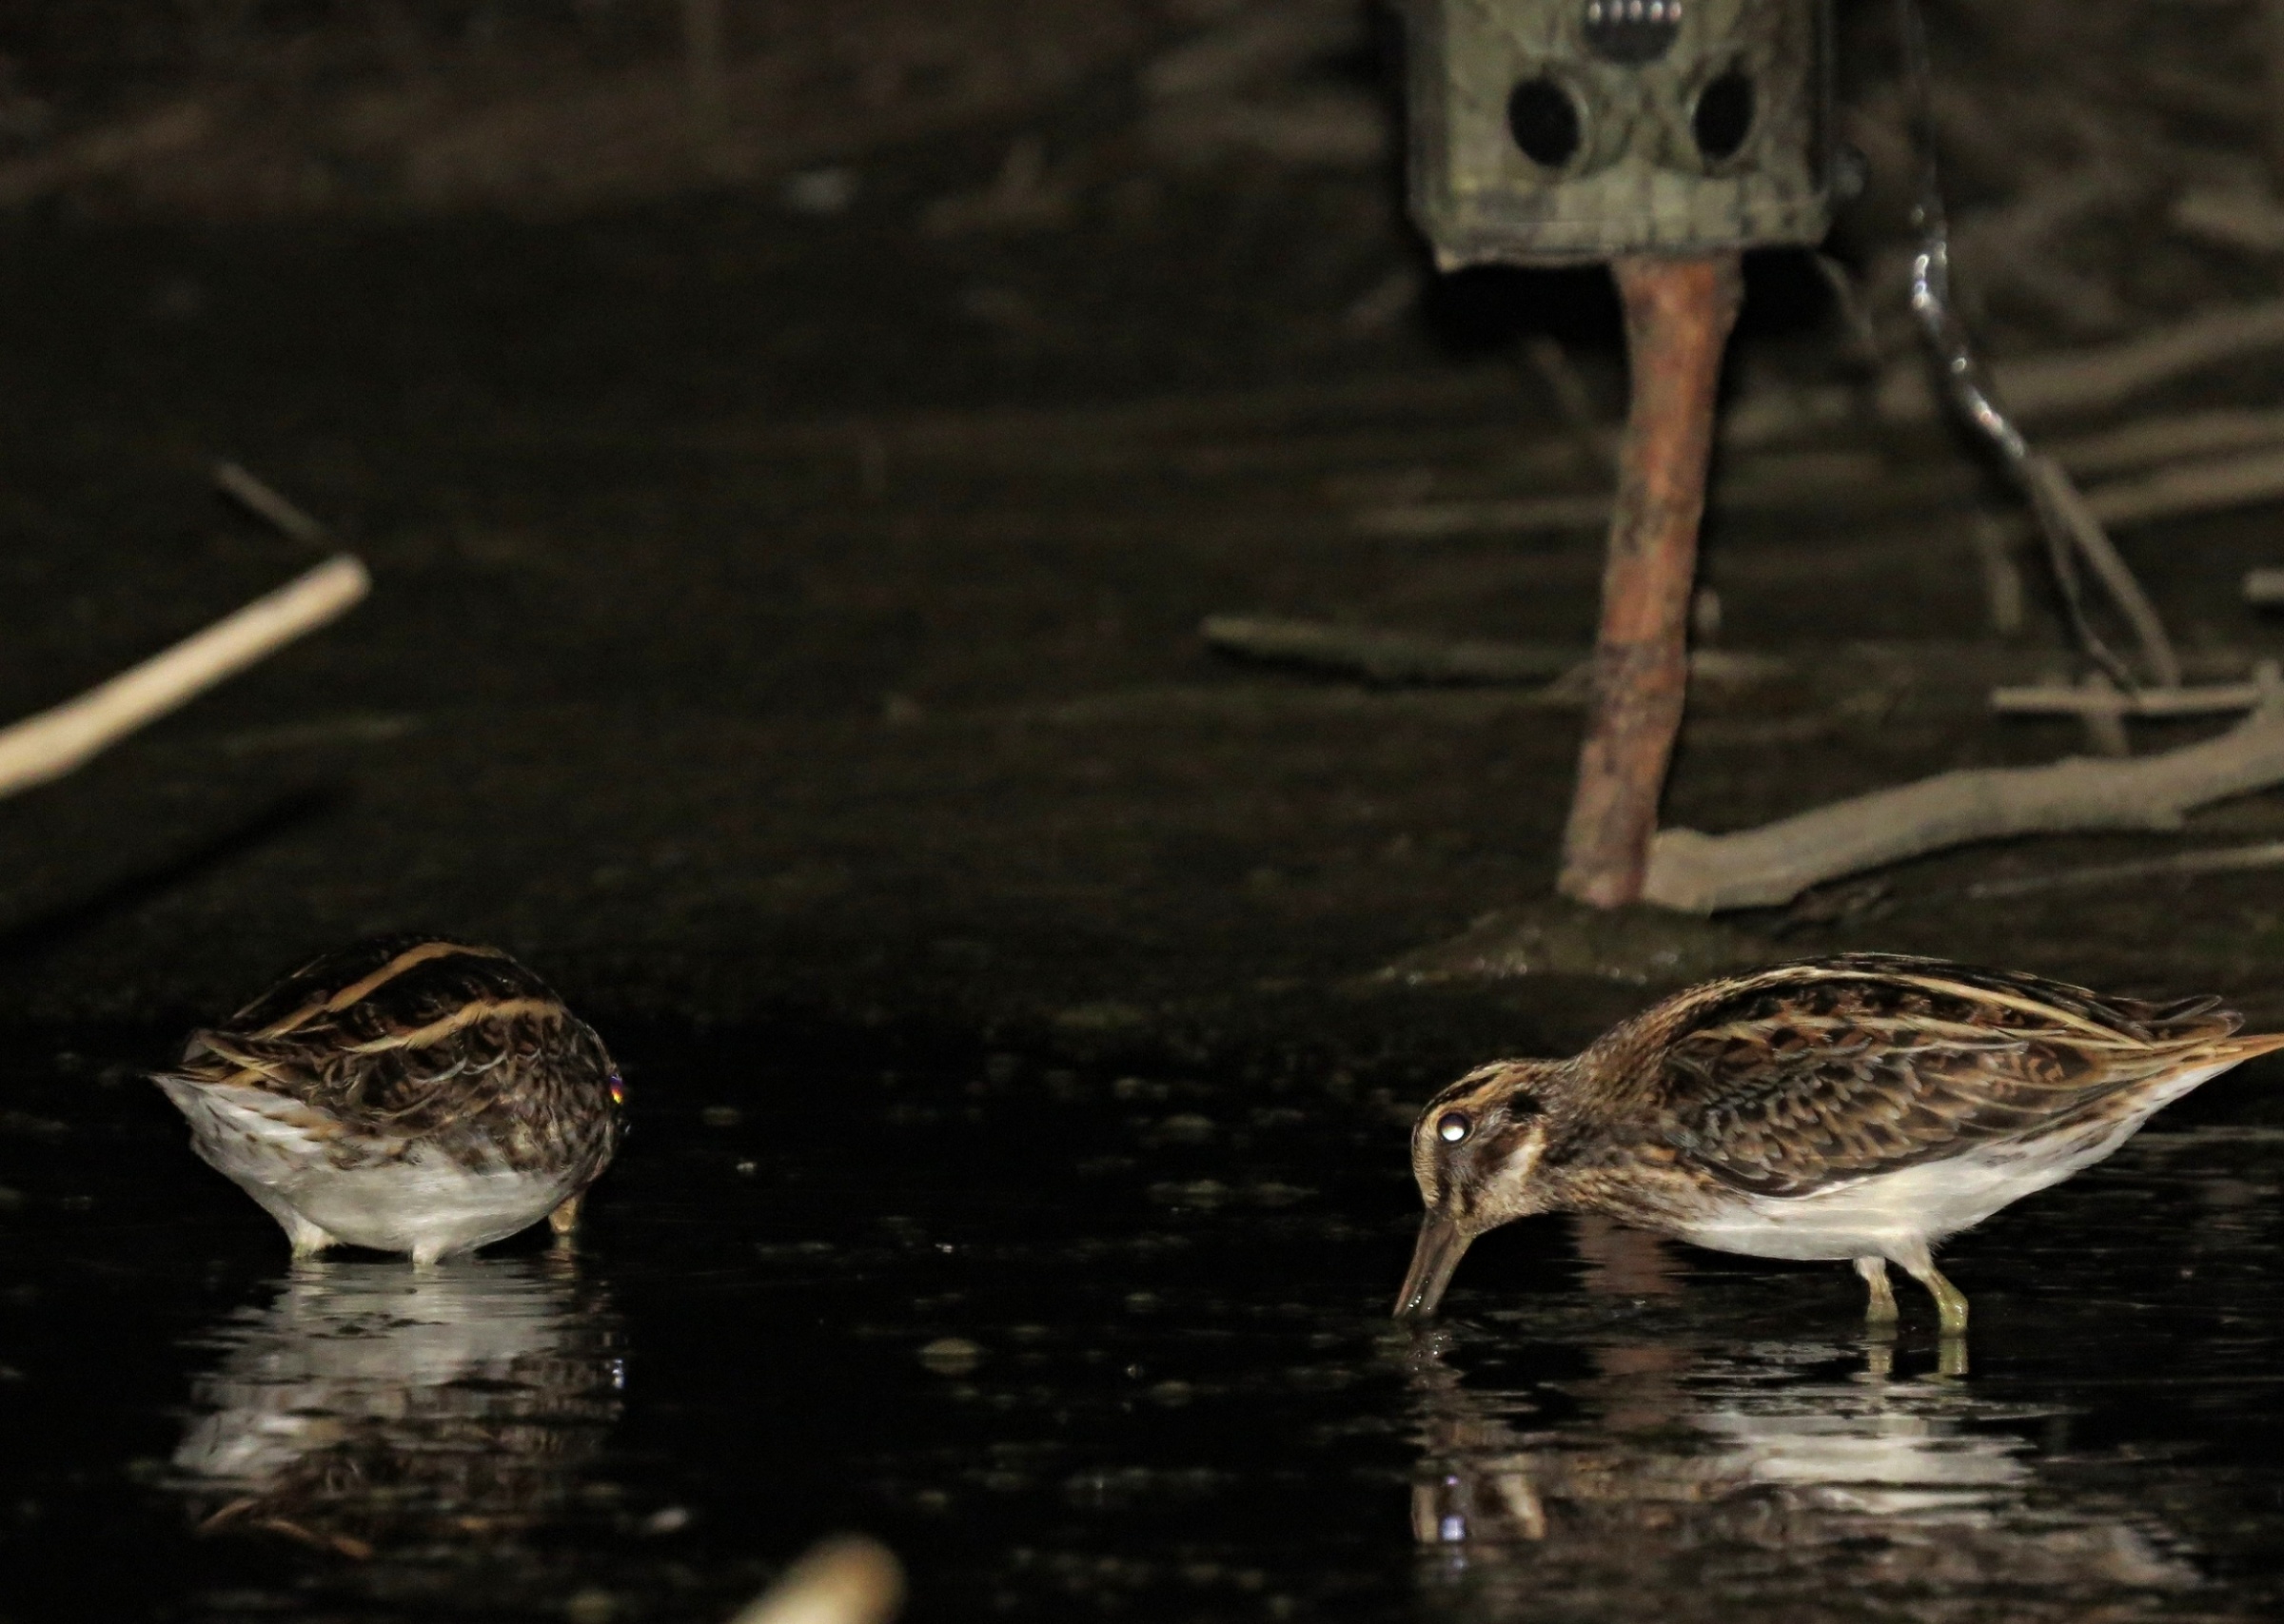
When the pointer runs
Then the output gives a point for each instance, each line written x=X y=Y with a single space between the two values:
x=1089 y=1346
x=739 y=651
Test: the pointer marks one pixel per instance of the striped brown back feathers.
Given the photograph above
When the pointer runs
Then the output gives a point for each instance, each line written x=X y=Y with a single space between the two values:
x=418 y=1040
x=1792 y=1079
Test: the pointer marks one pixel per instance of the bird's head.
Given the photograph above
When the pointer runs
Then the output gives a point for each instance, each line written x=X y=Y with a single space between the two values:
x=1475 y=1151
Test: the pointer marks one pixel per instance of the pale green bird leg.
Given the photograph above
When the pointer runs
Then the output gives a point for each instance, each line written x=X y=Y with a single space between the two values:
x=1881 y=1310
x=1950 y=1303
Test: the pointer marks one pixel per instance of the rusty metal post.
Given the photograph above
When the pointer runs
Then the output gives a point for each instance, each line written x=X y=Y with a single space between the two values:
x=1677 y=316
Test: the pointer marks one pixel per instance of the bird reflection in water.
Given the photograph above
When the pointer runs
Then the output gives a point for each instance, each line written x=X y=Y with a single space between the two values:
x=376 y=1406
x=1682 y=1481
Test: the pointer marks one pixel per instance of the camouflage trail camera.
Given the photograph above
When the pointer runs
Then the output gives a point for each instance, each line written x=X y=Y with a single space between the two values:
x=1551 y=131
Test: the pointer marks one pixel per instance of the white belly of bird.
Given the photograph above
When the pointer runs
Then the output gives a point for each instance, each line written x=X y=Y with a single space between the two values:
x=416 y=1202
x=426 y=1207
x=1899 y=1215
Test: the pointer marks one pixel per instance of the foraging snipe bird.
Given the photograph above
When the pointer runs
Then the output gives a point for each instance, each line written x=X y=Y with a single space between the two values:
x=1859 y=1107
x=410 y=1094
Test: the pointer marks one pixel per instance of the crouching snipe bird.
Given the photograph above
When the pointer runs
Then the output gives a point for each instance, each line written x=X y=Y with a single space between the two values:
x=409 y=1094
x=1862 y=1107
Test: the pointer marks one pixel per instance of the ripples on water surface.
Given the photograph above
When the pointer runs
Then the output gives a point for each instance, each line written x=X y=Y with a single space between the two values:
x=1084 y=1346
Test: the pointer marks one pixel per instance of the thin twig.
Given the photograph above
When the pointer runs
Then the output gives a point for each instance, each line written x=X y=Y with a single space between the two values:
x=2190 y=487
x=1403 y=657
x=1386 y=656
x=2227 y=860
x=2055 y=383
x=1817 y=481
x=2233 y=216
x=2083 y=383
x=2173 y=436
x=2066 y=511
x=2048 y=699
x=265 y=502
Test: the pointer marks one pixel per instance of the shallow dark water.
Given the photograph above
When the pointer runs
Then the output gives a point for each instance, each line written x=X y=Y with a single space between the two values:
x=1080 y=1345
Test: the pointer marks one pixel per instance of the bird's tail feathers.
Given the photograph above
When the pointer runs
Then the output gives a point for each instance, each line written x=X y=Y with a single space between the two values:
x=232 y=1113
x=2247 y=1046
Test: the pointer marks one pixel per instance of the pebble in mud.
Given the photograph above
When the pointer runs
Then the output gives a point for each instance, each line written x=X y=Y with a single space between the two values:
x=951 y=1356
x=1187 y=1127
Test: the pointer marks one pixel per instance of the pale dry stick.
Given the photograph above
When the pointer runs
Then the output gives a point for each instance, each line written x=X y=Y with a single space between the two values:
x=2155 y=442
x=2190 y=487
x=2059 y=384
x=2233 y=216
x=2104 y=724
x=2219 y=860
x=1407 y=657
x=1817 y=481
x=2057 y=497
x=45 y=746
x=1695 y=872
x=1384 y=656
x=1522 y=516
x=2202 y=486
x=2088 y=382
x=848 y=1580
x=2205 y=699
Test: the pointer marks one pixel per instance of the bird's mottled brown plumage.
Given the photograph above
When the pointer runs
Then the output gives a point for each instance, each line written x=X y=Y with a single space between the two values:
x=412 y=1051
x=1803 y=1076
x=1874 y=1097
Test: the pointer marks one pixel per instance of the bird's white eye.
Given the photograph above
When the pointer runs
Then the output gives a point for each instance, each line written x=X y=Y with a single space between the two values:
x=1453 y=1126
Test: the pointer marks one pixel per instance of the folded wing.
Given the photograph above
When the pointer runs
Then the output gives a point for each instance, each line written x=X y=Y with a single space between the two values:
x=1824 y=1073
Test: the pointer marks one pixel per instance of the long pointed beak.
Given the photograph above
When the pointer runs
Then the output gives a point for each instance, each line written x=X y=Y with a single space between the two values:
x=1442 y=1244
